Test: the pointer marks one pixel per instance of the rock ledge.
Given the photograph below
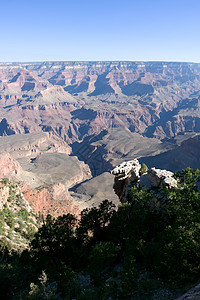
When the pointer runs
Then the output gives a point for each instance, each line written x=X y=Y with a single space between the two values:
x=130 y=172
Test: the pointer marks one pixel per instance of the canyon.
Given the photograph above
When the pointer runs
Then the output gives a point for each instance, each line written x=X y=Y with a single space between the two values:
x=65 y=125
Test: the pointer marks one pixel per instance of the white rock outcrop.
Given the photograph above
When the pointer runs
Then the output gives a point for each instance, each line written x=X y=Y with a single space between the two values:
x=127 y=169
x=157 y=178
x=129 y=173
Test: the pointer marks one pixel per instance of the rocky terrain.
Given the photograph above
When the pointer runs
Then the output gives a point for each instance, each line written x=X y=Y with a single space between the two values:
x=132 y=172
x=43 y=168
x=65 y=125
x=77 y=99
x=18 y=221
x=185 y=153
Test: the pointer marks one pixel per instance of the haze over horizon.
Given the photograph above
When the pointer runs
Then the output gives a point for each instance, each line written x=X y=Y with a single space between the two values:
x=100 y=31
x=103 y=61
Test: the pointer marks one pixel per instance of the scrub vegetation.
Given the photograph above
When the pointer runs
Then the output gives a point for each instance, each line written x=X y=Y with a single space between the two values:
x=147 y=248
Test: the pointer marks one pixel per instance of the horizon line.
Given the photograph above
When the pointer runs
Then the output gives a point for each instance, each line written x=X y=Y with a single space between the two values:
x=98 y=61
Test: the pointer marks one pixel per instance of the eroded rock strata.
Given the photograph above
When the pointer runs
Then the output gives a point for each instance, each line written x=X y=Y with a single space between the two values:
x=157 y=99
x=103 y=113
x=41 y=165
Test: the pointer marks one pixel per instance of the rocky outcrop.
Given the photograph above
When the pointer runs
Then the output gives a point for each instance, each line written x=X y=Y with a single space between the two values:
x=157 y=178
x=9 y=167
x=130 y=173
x=127 y=169
x=125 y=173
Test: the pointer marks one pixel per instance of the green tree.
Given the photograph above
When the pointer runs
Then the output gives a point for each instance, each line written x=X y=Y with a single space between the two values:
x=55 y=238
x=94 y=222
x=8 y=217
x=164 y=234
x=104 y=256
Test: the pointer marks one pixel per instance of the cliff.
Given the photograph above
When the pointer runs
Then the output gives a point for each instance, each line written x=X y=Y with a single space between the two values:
x=132 y=173
x=156 y=99
x=40 y=163
x=9 y=166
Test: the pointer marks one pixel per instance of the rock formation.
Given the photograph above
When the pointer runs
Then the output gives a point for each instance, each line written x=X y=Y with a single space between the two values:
x=40 y=163
x=130 y=173
x=157 y=178
x=9 y=167
x=104 y=113
x=82 y=98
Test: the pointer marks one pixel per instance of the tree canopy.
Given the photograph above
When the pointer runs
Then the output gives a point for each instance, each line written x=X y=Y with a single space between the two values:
x=149 y=243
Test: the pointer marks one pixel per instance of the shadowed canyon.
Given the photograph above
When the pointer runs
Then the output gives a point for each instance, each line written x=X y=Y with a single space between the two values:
x=65 y=125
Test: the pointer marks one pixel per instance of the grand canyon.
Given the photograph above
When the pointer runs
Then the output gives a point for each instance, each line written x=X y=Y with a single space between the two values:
x=65 y=125
x=99 y=186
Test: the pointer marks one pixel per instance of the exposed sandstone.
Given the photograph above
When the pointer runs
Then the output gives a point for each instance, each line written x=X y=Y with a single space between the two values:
x=47 y=178
x=8 y=166
x=32 y=145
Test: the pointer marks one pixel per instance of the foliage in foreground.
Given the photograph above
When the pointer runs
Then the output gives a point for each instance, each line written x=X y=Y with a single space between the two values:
x=18 y=223
x=149 y=244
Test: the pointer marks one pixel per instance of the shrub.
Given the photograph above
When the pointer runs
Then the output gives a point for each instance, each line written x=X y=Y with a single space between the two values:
x=9 y=217
x=5 y=180
x=102 y=259
x=143 y=169
x=23 y=213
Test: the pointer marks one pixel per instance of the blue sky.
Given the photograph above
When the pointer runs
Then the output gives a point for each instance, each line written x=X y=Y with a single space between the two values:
x=148 y=30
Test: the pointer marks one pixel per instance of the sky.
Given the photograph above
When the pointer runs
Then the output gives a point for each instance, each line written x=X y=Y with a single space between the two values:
x=86 y=30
